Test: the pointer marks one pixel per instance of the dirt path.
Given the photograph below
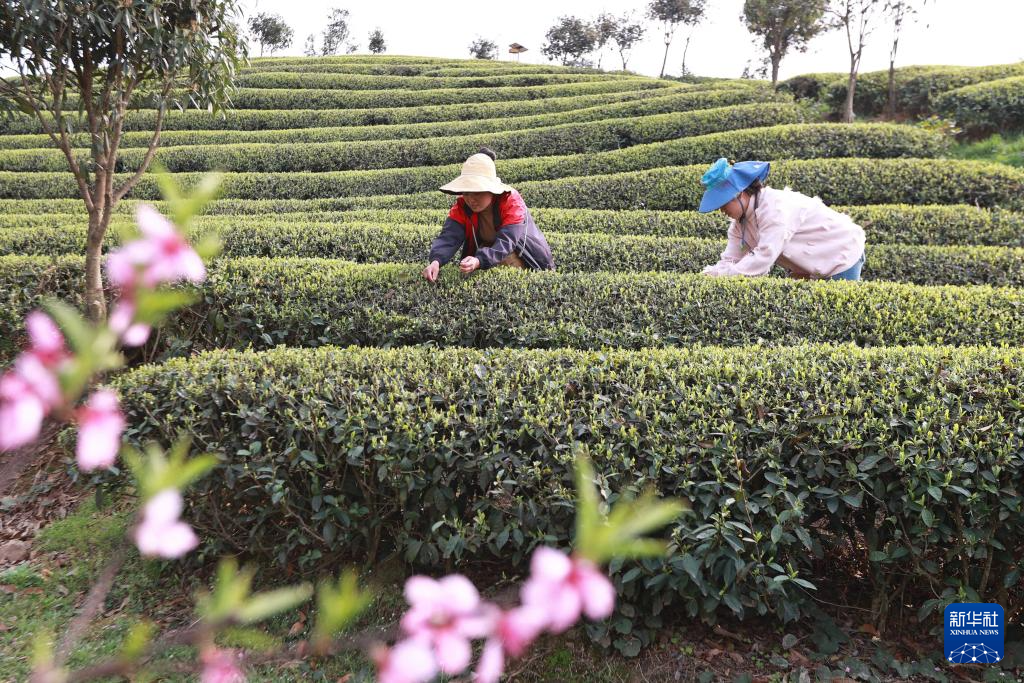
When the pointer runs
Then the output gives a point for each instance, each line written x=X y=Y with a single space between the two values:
x=34 y=491
x=14 y=464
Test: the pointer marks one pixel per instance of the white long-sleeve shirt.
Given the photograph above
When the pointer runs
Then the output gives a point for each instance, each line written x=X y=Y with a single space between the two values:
x=799 y=232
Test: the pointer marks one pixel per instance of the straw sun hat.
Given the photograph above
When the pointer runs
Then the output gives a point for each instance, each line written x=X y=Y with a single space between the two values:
x=478 y=175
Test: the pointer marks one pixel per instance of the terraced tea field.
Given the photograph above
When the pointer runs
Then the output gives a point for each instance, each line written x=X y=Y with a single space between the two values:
x=794 y=415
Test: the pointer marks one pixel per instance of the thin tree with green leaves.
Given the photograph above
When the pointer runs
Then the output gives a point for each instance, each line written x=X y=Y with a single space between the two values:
x=784 y=25
x=569 y=40
x=101 y=60
x=672 y=13
x=899 y=12
x=376 y=44
x=627 y=34
x=857 y=18
x=271 y=31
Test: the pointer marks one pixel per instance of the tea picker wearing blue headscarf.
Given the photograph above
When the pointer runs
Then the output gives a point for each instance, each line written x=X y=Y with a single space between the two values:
x=769 y=227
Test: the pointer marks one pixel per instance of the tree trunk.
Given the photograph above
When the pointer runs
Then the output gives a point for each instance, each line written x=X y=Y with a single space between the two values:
x=892 y=89
x=851 y=88
x=95 y=300
x=686 y=49
x=776 y=60
x=623 y=55
x=664 y=61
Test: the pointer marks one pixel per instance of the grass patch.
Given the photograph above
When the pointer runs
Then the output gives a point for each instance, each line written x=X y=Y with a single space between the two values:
x=999 y=149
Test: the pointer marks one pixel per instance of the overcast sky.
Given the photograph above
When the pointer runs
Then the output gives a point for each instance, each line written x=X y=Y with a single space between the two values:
x=968 y=32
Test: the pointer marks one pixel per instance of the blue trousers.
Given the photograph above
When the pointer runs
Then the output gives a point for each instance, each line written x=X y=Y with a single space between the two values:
x=851 y=273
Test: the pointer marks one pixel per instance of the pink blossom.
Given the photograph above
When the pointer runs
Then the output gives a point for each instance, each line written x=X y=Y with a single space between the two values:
x=30 y=389
x=514 y=631
x=447 y=614
x=221 y=666
x=161 y=533
x=563 y=587
x=99 y=434
x=410 y=661
x=161 y=256
x=491 y=664
x=519 y=627
x=45 y=340
x=21 y=412
x=121 y=321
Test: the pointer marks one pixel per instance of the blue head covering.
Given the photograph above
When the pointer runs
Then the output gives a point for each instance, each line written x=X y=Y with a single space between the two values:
x=723 y=182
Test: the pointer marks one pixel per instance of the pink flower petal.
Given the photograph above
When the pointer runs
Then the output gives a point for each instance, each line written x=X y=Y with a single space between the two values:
x=520 y=626
x=121 y=321
x=491 y=664
x=453 y=652
x=164 y=508
x=124 y=264
x=422 y=590
x=221 y=666
x=152 y=223
x=44 y=336
x=460 y=595
x=39 y=379
x=417 y=621
x=100 y=429
x=148 y=538
x=122 y=315
x=136 y=335
x=597 y=591
x=21 y=413
x=190 y=267
x=169 y=541
x=566 y=605
x=410 y=661
x=550 y=565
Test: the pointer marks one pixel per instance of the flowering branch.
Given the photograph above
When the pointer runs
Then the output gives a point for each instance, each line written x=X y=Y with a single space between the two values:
x=445 y=616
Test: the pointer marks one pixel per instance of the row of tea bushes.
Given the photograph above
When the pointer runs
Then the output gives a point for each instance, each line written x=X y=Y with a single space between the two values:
x=934 y=182
x=331 y=131
x=920 y=225
x=989 y=107
x=313 y=302
x=556 y=140
x=299 y=117
x=450 y=457
x=581 y=252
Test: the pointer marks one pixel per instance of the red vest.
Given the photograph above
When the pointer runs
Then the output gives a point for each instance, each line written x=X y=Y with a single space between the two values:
x=509 y=209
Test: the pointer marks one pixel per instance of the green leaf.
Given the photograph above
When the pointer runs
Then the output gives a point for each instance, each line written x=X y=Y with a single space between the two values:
x=788 y=641
x=154 y=305
x=248 y=638
x=209 y=246
x=79 y=333
x=869 y=462
x=691 y=567
x=263 y=605
x=339 y=606
x=588 y=515
x=194 y=469
x=137 y=639
x=935 y=492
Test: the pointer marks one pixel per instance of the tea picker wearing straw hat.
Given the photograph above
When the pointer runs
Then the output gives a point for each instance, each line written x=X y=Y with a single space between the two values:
x=490 y=222
x=769 y=227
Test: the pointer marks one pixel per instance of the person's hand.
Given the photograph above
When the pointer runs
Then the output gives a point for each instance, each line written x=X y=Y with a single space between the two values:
x=430 y=272
x=469 y=264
